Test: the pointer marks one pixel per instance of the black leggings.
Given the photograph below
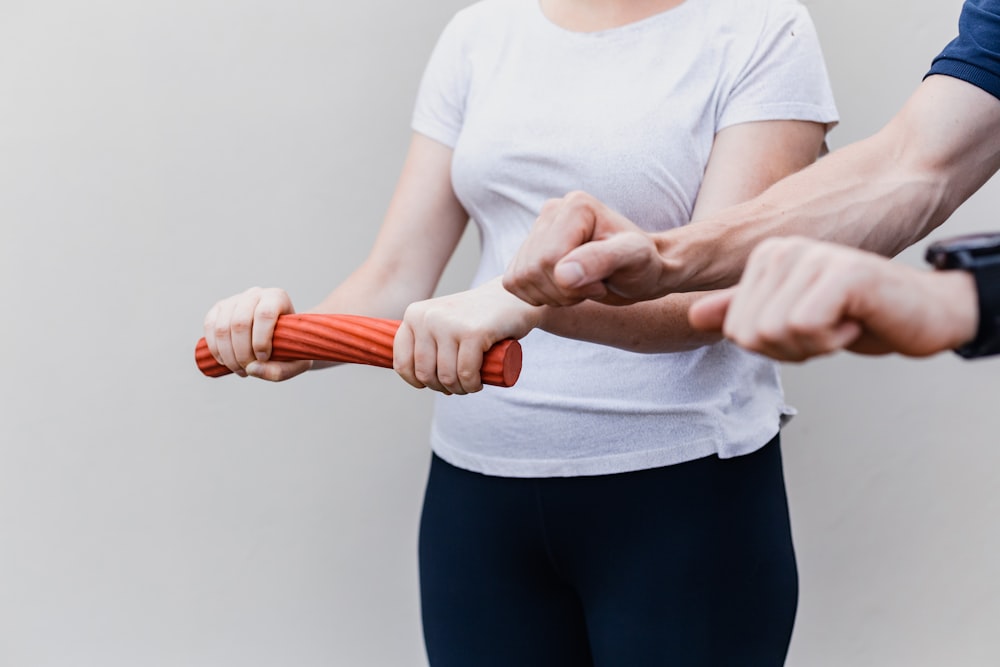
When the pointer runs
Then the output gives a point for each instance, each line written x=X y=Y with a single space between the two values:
x=685 y=565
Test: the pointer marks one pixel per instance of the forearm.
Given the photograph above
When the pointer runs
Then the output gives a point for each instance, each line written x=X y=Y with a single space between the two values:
x=421 y=229
x=649 y=327
x=880 y=194
x=847 y=198
x=377 y=290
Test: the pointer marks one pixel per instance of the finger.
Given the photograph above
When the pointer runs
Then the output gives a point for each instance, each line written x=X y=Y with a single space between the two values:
x=756 y=315
x=709 y=313
x=223 y=337
x=819 y=320
x=812 y=320
x=846 y=334
x=402 y=355
x=446 y=367
x=575 y=220
x=470 y=363
x=208 y=328
x=871 y=344
x=425 y=360
x=277 y=371
x=529 y=274
x=625 y=263
x=528 y=292
x=563 y=225
x=272 y=304
x=241 y=326
x=531 y=280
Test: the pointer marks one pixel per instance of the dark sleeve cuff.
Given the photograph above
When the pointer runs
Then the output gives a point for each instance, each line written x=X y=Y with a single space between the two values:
x=977 y=76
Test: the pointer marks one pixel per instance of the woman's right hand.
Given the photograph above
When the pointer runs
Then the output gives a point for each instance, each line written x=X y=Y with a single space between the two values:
x=238 y=331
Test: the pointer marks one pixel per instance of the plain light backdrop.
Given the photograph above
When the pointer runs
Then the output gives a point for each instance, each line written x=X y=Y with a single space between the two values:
x=156 y=156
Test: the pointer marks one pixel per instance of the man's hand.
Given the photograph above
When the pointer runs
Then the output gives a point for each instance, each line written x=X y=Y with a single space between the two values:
x=580 y=249
x=801 y=298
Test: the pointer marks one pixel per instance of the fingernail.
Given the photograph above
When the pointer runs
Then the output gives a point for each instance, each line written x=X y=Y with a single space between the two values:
x=570 y=274
x=253 y=369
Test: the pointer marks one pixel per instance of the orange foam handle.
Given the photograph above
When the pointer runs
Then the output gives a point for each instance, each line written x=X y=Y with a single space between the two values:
x=357 y=340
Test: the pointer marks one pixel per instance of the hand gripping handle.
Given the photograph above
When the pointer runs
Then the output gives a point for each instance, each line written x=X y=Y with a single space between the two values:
x=357 y=340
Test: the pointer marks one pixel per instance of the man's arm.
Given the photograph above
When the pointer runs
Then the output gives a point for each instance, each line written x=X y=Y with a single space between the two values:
x=881 y=194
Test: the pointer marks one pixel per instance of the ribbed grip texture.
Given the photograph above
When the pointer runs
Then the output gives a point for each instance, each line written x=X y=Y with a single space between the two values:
x=357 y=340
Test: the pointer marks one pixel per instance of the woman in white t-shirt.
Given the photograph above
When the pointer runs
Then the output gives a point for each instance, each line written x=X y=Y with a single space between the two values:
x=623 y=504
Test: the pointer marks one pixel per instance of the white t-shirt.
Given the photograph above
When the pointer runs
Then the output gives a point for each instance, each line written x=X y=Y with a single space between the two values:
x=534 y=111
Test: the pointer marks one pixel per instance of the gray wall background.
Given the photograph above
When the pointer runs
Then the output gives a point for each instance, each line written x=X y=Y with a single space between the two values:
x=156 y=156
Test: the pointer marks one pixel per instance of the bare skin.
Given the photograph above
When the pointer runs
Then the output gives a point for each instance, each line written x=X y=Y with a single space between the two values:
x=801 y=298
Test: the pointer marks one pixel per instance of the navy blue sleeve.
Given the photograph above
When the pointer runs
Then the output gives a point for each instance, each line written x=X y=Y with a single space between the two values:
x=974 y=56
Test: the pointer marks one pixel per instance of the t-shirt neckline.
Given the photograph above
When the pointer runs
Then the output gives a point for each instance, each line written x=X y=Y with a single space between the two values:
x=608 y=33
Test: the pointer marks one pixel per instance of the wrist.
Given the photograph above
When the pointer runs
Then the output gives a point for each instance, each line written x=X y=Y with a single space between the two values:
x=531 y=317
x=959 y=297
x=700 y=256
x=978 y=257
x=681 y=260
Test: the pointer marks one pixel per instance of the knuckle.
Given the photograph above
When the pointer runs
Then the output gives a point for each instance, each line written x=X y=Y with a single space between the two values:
x=550 y=207
x=423 y=373
x=415 y=311
x=267 y=311
x=771 y=334
x=799 y=327
x=468 y=377
x=240 y=325
x=578 y=200
x=402 y=363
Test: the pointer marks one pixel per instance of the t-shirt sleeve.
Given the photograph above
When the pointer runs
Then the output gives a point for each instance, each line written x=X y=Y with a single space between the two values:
x=974 y=56
x=785 y=77
x=440 y=105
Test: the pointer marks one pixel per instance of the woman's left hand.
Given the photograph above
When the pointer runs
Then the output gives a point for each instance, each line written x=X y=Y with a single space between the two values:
x=441 y=342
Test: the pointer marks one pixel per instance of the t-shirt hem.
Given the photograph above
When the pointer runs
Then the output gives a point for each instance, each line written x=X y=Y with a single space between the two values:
x=436 y=131
x=607 y=464
x=781 y=111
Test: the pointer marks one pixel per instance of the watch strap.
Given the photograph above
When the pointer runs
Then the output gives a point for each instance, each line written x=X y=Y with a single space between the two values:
x=986 y=272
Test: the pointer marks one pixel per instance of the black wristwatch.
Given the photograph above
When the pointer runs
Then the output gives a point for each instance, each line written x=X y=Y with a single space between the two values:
x=979 y=254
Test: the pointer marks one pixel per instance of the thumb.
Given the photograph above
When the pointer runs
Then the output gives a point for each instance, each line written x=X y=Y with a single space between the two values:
x=595 y=261
x=709 y=313
x=277 y=371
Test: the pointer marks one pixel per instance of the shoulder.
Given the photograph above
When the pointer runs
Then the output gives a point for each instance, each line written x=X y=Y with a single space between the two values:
x=749 y=21
x=748 y=26
x=487 y=15
x=980 y=22
x=480 y=26
x=755 y=14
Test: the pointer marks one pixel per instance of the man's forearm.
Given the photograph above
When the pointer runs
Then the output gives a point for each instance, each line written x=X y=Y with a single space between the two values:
x=849 y=197
x=880 y=194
